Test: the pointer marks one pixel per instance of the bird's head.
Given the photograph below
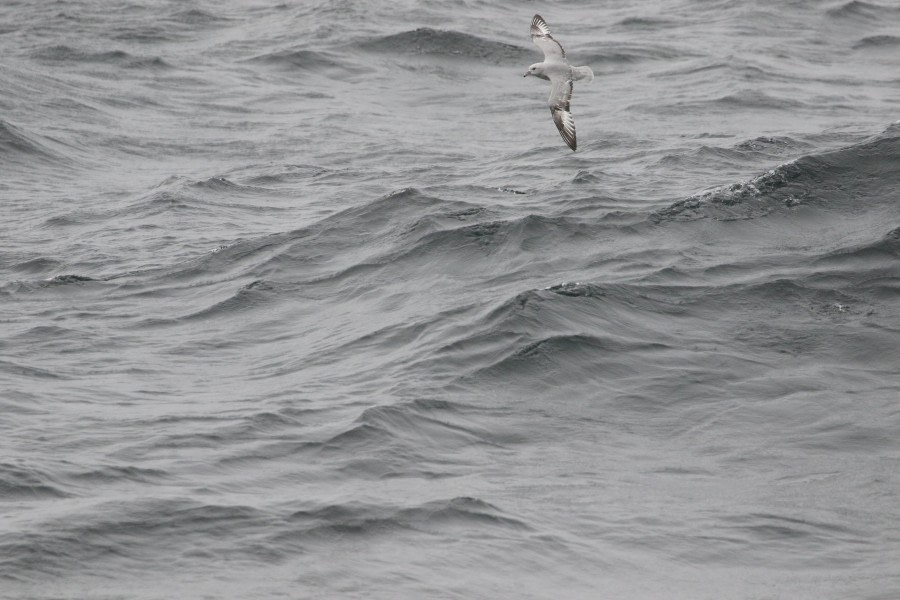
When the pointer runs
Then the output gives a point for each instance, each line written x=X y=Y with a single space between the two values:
x=536 y=69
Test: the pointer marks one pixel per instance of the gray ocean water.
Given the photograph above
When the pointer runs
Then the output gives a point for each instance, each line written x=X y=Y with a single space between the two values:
x=310 y=300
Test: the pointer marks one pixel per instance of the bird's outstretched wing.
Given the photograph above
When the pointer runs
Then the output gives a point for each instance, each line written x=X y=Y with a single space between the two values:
x=540 y=35
x=560 y=95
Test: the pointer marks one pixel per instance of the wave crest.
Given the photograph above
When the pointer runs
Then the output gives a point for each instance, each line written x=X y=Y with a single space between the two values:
x=834 y=180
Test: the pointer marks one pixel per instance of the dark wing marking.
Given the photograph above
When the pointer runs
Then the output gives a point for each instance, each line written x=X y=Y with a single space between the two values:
x=539 y=26
x=540 y=35
x=560 y=95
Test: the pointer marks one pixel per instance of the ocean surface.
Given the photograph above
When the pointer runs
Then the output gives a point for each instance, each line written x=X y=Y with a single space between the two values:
x=310 y=300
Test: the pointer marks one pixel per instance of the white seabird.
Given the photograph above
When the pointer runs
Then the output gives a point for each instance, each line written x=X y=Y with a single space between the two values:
x=557 y=71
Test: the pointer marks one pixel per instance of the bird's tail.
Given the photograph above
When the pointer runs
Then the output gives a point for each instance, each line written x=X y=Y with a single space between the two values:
x=579 y=73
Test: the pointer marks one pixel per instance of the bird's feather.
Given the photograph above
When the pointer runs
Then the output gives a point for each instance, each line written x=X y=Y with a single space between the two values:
x=540 y=35
x=560 y=95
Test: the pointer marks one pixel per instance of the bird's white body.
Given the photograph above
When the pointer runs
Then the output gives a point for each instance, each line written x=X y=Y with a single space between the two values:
x=547 y=71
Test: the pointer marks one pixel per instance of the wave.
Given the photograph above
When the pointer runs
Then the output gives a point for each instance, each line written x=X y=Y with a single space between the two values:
x=627 y=53
x=14 y=140
x=349 y=239
x=350 y=252
x=422 y=438
x=567 y=335
x=406 y=225
x=833 y=180
x=605 y=338
x=449 y=44
x=254 y=295
x=431 y=238
x=869 y=268
x=134 y=535
x=438 y=515
x=746 y=100
x=858 y=10
x=215 y=196
x=770 y=145
x=108 y=474
x=22 y=482
x=878 y=41
x=757 y=99
x=120 y=58
x=69 y=280
x=743 y=68
x=37 y=265
x=584 y=358
x=439 y=422
x=122 y=534
x=757 y=150
x=18 y=146
x=576 y=336
x=648 y=23
x=305 y=60
x=218 y=185
x=181 y=25
x=887 y=247
x=19 y=370
x=288 y=174
x=147 y=33
x=197 y=17
x=18 y=482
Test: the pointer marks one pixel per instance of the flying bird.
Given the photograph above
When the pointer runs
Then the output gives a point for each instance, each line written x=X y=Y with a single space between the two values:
x=560 y=74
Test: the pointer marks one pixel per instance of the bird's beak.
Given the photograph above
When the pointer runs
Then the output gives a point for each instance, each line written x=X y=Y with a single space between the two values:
x=527 y=73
